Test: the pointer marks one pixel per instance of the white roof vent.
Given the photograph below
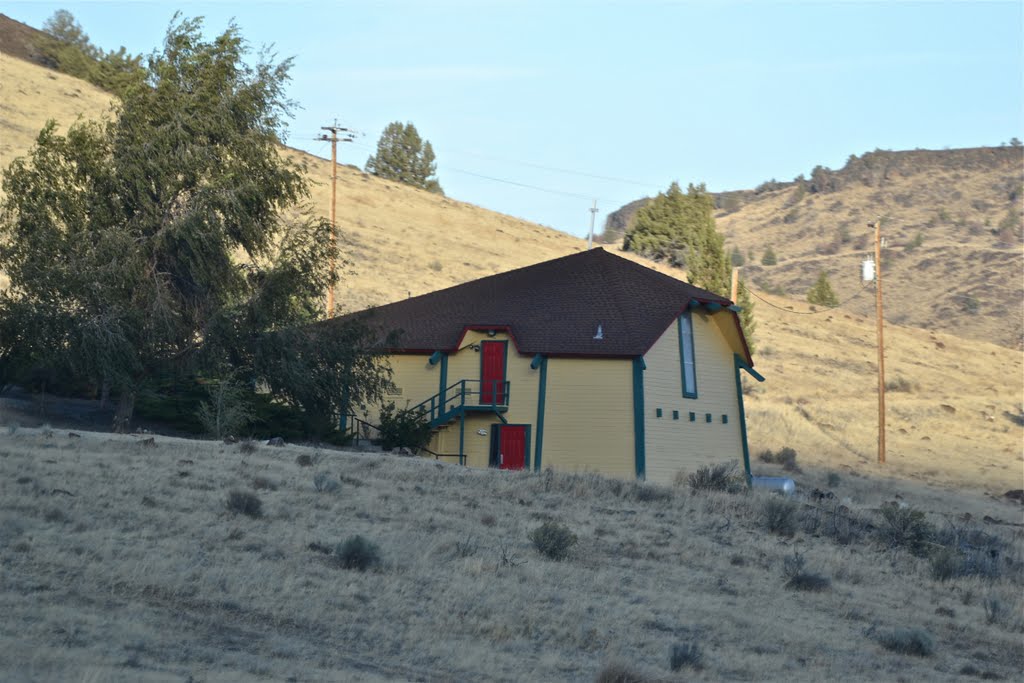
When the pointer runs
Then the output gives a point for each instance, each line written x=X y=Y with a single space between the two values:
x=600 y=333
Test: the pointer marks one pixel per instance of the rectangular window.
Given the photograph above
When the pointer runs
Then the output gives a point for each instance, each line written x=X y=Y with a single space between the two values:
x=686 y=356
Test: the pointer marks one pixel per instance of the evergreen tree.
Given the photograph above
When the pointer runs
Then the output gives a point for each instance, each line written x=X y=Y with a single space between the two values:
x=769 y=258
x=821 y=293
x=680 y=228
x=736 y=257
x=67 y=48
x=164 y=242
x=403 y=156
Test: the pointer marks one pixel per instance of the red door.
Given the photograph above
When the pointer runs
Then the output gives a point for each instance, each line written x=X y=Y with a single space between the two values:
x=492 y=373
x=512 y=447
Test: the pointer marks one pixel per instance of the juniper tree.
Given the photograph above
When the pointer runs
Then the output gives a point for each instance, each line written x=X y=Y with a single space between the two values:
x=680 y=228
x=167 y=240
x=821 y=293
x=403 y=156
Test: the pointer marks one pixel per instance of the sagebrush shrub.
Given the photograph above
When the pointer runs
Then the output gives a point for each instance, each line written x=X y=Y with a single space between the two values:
x=716 y=478
x=553 y=540
x=325 y=483
x=245 y=503
x=619 y=673
x=904 y=527
x=786 y=457
x=357 y=553
x=778 y=515
x=907 y=641
x=799 y=578
x=686 y=654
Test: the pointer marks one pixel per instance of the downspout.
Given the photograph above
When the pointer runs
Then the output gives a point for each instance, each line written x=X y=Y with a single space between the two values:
x=738 y=364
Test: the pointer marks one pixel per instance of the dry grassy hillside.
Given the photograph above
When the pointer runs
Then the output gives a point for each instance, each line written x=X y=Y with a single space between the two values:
x=123 y=560
x=948 y=264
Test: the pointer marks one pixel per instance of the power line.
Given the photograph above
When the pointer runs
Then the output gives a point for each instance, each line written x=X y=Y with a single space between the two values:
x=827 y=310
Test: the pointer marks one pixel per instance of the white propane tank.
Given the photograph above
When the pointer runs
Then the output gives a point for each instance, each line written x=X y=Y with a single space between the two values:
x=783 y=485
x=867 y=270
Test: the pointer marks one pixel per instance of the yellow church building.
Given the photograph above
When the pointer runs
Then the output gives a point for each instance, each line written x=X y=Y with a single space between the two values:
x=589 y=362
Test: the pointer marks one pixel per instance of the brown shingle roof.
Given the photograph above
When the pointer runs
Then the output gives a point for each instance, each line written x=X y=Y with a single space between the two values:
x=554 y=308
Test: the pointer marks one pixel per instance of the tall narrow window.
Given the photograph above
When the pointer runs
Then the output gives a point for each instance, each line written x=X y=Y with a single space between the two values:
x=686 y=358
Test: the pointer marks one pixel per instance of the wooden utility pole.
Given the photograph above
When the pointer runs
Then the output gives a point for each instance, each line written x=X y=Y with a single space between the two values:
x=877 y=225
x=333 y=139
x=735 y=290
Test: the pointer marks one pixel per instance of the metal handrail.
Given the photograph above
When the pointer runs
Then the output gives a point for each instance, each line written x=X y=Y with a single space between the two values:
x=457 y=396
x=355 y=425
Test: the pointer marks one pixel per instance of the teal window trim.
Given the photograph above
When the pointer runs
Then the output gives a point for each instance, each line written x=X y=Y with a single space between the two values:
x=707 y=417
x=693 y=416
x=542 y=390
x=675 y=414
x=725 y=419
x=686 y=351
x=739 y=364
x=638 y=418
x=657 y=412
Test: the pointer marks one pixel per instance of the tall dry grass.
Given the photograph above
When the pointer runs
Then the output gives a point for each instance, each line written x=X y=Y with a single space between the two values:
x=123 y=561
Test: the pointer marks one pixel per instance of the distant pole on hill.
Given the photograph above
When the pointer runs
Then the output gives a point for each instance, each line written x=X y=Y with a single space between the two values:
x=593 y=213
x=333 y=139
x=877 y=225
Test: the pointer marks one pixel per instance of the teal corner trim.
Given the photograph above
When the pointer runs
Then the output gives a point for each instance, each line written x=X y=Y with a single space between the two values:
x=713 y=306
x=542 y=390
x=535 y=363
x=682 y=353
x=638 y=418
x=739 y=364
x=435 y=357
x=443 y=384
x=462 y=439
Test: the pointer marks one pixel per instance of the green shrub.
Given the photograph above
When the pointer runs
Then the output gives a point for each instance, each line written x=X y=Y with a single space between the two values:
x=833 y=480
x=907 y=641
x=553 y=540
x=717 y=478
x=403 y=428
x=769 y=258
x=357 y=553
x=778 y=515
x=245 y=503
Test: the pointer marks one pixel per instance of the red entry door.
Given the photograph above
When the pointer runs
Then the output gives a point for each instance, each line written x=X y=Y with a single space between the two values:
x=512 y=447
x=492 y=373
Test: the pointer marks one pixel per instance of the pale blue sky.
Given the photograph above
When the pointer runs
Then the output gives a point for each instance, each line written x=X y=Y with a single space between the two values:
x=638 y=93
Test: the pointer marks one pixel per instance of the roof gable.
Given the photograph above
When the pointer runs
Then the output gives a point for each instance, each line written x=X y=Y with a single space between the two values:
x=555 y=307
